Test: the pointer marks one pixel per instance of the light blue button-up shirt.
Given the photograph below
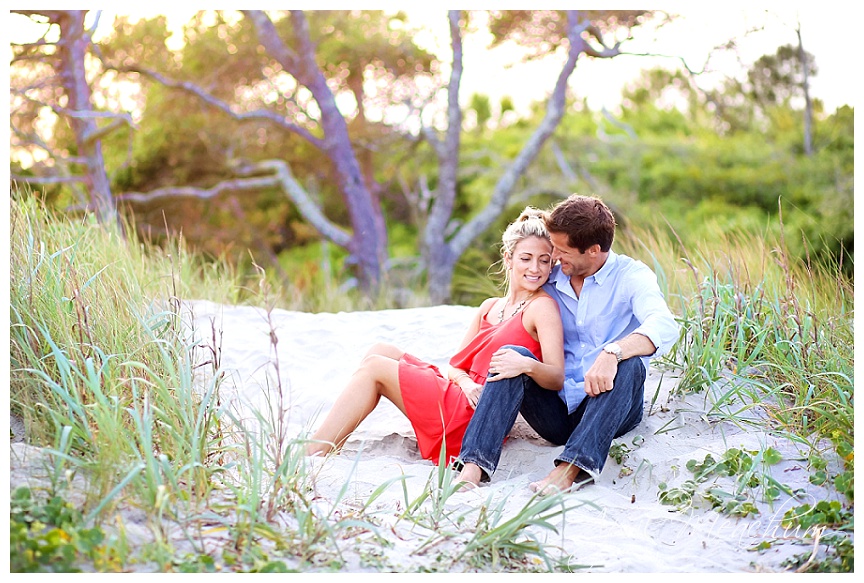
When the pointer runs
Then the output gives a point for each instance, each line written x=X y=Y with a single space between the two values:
x=621 y=298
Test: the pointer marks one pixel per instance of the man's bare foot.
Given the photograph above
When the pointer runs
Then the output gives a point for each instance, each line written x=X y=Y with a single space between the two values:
x=470 y=475
x=561 y=479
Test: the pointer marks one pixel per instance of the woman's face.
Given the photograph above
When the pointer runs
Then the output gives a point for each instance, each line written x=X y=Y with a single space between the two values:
x=530 y=263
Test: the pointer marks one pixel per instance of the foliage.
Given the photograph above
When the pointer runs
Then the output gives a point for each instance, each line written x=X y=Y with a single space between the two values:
x=49 y=536
x=119 y=409
x=749 y=470
x=764 y=290
x=491 y=538
x=542 y=31
x=839 y=554
x=839 y=557
x=770 y=333
x=663 y=154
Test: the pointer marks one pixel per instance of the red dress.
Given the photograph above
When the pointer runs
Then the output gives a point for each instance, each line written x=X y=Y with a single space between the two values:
x=436 y=406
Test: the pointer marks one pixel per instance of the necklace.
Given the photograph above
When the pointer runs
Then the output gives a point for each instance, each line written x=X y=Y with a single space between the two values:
x=516 y=311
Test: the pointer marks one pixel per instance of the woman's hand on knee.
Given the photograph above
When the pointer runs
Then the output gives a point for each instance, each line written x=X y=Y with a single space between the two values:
x=507 y=363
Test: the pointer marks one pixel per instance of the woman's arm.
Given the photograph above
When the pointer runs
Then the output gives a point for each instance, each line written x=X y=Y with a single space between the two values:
x=543 y=318
x=459 y=376
x=454 y=374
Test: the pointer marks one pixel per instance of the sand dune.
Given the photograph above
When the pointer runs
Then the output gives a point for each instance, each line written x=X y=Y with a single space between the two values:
x=616 y=525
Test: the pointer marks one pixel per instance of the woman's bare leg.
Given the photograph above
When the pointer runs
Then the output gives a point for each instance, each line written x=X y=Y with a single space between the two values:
x=377 y=375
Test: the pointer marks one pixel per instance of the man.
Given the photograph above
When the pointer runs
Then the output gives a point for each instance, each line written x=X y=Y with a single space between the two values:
x=615 y=319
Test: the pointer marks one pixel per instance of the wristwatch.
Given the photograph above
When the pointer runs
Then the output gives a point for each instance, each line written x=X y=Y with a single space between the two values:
x=613 y=348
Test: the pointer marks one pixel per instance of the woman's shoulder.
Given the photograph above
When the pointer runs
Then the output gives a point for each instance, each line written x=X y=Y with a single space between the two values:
x=544 y=301
x=485 y=306
x=541 y=307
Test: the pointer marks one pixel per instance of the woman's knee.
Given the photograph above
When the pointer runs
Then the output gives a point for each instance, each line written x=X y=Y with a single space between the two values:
x=384 y=349
x=380 y=371
x=372 y=365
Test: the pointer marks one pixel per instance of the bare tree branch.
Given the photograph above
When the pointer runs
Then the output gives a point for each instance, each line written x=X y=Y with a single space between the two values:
x=31 y=56
x=368 y=244
x=280 y=51
x=257 y=115
x=122 y=120
x=31 y=139
x=563 y=165
x=808 y=102
x=606 y=52
x=279 y=175
x=92 y=134
x=432 y=138
x=89 y=32
x=72 y=53
x=554 y=112
x=618 y=123
x=448 y=155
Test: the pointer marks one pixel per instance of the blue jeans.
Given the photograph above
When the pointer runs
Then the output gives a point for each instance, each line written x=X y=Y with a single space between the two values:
x=586 y=434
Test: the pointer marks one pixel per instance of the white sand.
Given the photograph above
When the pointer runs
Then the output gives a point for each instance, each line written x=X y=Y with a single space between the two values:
x=616 y=525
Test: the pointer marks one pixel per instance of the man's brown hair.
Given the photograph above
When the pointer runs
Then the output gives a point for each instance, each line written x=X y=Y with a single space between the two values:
x=585 y=220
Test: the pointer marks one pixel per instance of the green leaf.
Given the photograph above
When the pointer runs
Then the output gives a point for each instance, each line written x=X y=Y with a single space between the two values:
x=771 y=456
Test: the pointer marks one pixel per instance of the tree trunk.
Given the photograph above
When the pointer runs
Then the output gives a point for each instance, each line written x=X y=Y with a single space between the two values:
x=368 y=245
x=72 y=51
x=442 y=253
x=440 y=259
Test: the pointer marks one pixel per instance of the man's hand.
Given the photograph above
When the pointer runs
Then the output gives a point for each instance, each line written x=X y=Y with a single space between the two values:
x=601 y=375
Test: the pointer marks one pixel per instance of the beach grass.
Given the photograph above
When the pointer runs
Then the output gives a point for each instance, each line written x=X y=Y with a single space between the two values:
x=106 y=379
x=778 y=332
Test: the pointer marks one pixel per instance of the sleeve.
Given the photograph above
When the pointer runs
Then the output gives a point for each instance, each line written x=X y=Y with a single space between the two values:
x=656 y=321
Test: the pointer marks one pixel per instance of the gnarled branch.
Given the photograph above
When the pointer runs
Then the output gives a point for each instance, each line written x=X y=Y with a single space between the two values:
x=554 y=112
x=212 y=100
x=278 y=174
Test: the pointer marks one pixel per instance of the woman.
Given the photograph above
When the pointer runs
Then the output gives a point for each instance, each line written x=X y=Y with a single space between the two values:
x=439 y=408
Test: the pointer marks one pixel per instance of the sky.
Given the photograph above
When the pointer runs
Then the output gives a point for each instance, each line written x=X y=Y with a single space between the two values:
x=828 y=32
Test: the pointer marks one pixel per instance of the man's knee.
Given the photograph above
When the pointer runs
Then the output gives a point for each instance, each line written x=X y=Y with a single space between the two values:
x=631 y=371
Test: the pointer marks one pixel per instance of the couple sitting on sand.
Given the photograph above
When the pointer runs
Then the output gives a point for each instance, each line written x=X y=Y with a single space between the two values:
x=567 y=346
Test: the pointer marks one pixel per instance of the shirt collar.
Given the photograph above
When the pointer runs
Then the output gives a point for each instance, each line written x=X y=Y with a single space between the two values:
x=562 y=281
x=607 y=268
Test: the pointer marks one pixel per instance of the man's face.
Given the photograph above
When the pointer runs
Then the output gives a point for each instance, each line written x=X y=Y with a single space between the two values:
x=573 y=262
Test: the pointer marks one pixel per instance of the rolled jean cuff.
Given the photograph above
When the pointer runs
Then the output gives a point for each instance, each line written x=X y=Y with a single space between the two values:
x=581 y=463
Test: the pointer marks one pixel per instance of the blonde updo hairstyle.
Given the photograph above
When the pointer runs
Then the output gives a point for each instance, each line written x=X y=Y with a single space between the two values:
x=530 y=223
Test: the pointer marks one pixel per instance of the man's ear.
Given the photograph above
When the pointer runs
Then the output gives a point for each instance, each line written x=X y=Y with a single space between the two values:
x=594 y=249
